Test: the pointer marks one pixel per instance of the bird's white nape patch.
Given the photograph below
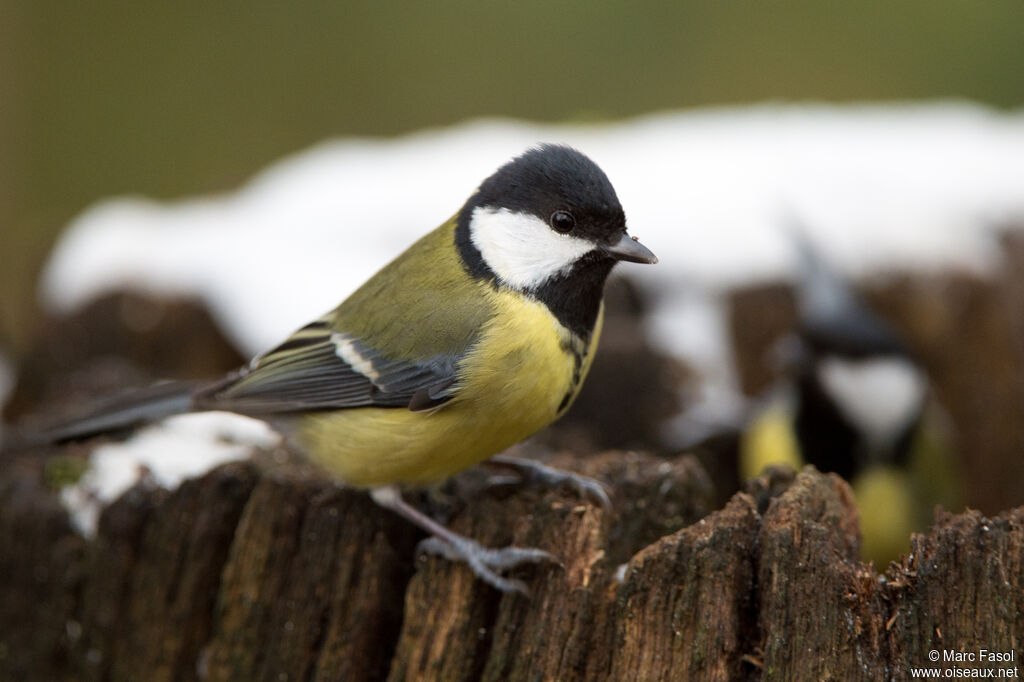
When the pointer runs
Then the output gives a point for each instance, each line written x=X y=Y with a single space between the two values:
x=879 y=396
x=521 y=249
x=345 y=348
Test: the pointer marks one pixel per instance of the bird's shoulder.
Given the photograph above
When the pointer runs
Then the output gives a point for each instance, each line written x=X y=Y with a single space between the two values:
x=422 y=304
x=396 y=342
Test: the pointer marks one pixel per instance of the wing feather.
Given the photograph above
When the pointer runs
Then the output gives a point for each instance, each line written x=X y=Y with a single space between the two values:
x=318 y=368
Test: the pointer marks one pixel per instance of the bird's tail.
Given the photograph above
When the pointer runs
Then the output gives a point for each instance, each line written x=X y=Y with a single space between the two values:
x=123 y=411
x=821 y=292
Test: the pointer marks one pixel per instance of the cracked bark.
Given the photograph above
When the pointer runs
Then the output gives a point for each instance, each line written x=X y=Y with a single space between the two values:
x=247 y=575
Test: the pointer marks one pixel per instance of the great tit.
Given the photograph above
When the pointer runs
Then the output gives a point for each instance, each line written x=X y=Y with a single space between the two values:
x=477 y=336
x=856 y=402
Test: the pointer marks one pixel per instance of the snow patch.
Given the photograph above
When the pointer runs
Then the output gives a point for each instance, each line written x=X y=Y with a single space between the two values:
x=165 y=454
x=915 y=185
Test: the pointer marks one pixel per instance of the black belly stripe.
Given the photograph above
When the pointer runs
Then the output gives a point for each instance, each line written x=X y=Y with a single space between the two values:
x=574 y=298
x=577 y=371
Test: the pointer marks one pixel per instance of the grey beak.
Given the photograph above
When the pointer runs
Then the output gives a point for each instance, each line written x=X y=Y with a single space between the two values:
x=629 y=249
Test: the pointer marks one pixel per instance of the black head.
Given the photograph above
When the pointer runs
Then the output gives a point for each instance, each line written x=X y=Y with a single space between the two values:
x=560 y=186
x=548 y=223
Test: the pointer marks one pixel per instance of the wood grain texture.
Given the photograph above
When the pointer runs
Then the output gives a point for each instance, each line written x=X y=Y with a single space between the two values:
x=244 y=574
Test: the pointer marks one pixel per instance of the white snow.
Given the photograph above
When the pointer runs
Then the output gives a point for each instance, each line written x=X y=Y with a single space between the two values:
x=913 y=185
x=164 y=454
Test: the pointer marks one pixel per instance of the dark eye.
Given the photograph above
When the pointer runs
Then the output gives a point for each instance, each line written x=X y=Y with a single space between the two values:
x=562 y=221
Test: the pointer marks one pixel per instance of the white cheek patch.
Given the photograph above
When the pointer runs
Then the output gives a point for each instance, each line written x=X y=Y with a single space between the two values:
x=521 y=249
x=879 y=396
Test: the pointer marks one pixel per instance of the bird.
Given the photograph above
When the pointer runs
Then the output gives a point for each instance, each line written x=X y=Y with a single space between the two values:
x=475 y=337
x=855 y=401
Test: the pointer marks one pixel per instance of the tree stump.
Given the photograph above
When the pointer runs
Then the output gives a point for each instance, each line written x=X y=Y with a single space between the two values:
x=249 y=575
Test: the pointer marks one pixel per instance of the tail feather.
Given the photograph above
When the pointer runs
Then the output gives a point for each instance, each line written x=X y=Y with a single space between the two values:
x=830 y=311
x=822 y=293
x=124 y=411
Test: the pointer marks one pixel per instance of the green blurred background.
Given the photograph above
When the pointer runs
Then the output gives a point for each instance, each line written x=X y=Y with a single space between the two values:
x=167 y=99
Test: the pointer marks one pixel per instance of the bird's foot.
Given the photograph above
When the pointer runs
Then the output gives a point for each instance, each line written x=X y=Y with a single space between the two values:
x=487 y=563
x=533 y=471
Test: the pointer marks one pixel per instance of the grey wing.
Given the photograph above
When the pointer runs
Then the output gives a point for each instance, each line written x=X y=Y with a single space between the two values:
x=321 y=369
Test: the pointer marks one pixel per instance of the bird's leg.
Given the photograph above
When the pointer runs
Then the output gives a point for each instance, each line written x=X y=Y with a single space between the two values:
x=532 y=470
x=486 y=563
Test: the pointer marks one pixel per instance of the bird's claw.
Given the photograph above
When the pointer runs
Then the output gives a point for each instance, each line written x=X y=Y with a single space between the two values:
x=486 y=563
x=532 y=470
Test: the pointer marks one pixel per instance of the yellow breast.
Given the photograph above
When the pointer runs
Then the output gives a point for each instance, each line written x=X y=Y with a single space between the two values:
x=769 y=441
x=519 y=377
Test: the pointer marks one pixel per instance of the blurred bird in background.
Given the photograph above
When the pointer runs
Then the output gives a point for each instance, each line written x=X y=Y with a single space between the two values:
x=855 y=401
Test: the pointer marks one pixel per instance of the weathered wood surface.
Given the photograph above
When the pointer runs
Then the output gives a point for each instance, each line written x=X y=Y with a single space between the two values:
x=244 y=575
